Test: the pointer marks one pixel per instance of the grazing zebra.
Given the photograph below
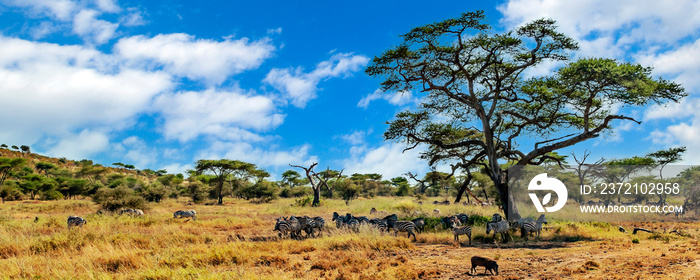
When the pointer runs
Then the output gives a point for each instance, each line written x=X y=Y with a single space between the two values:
x=420 y=224
x=294 y=227
x=283 y=227
x=132 y=212
x=528 y=225
x=307 y=225
x=380 y=224
x=498 y=227
x=496 y=218
x=185 y=214
x=319 y=223
x=391 y=217
x=76 y=221
x=447 y=222
x=363 y=220
x=403 y=226
x=458 y=229
x=463 y=218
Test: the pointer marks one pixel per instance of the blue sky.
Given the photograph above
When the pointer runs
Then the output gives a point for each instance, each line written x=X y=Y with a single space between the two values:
x=161 y=84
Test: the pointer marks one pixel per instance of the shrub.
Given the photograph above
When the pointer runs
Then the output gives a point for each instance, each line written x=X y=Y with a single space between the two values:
x=117 y=198
x=263 y=191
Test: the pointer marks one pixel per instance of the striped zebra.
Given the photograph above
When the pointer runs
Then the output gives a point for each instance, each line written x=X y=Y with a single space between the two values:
x=528 y=225
x=403 y=226
x=76 y=221
x=307 y=225
x=380 y=224
x=131 y=212
x=294 y=227
x=339 y=220
x=463 y=218
x=283 y=227
x=501 y=227
x=458 y=229
x=496 y=218
x=185 y=214
x=319 y=223
x=420 y=224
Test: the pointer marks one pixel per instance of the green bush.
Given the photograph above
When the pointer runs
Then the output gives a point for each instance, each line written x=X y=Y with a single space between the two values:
x=262 y=191
x=118 y=198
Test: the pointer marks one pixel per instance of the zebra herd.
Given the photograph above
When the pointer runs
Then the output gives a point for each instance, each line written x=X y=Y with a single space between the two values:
x=76 y=221
x=294 y=226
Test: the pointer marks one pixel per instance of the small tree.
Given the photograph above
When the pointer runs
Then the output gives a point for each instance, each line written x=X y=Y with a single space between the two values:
x=45 y=167
x=25 y=149
x=222 y=169
x=118 y=198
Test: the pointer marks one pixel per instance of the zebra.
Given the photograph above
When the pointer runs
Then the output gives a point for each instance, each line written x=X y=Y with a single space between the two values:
x=447 y=222
x=403 y=226
x=458 y=229
x=498 y=227
x=380 y=224
x=283 y=227
x=463 y=218
x=319 y=223
x=307 y=225
x=391 y=217
x=339 y=220
x=496 y=218
x=76 y=221
x=420 y=224
x=132 y=212
x=185 y=214
x=363 y=220
x=528 y=225
x=294 y=227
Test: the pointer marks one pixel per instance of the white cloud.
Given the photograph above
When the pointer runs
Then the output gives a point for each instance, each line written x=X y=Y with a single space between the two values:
x=277 y=30
x=133 y=150
x=225 y=114
x=615 y=25
x=50 y=89
x=398 y=99
x=186 y=56
x=80 y=146
x=300 y=87
x=108 y=6
x=387 y=159
x=91 y=29
x=681 y=62
x=264 y=157
x=59 y=9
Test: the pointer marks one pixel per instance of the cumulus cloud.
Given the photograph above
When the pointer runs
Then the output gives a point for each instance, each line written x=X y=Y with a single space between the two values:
x=387 y=159
x=398 y=99
x=615 y=25
x=59 y=9
x=226 y=114
x=263 y=156
x=81 y=145
x=300 y=87
x=197 y=59
x=53 y=89
x=93 y=30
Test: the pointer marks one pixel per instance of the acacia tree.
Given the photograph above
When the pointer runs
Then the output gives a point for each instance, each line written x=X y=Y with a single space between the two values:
x=221 y=169
x=316 y=181
x=478 y=107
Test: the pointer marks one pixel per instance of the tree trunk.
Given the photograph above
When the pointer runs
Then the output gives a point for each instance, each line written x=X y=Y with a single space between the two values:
x=221 y=197
x=463 y=187
x=507 y=202
x=317 y=197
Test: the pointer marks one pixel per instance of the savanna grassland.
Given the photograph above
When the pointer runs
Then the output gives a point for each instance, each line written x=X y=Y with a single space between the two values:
x=237 y=241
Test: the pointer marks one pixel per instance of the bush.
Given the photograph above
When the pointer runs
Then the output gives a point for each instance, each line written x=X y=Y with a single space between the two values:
x=51 y=195
x=118 y=198
x=263 y=191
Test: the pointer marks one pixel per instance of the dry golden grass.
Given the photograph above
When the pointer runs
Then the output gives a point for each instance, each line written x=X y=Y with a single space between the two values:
x=236 y=241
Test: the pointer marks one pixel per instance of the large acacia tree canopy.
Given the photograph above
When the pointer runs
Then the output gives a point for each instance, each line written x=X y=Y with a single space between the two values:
x=478 y=104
